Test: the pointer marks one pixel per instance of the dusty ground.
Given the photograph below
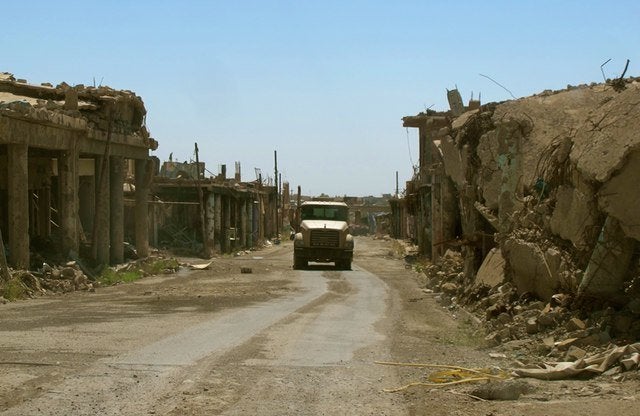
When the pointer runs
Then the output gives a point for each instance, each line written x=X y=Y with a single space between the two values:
x=106 y=352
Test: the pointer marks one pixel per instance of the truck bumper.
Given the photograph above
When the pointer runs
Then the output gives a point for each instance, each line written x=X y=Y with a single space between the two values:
x=323 y=255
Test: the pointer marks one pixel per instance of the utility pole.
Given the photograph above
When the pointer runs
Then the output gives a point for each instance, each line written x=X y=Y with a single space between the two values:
x=299 y=201
x=280 y=202
x=397 y=187
x=205 y=245
x=275 y=178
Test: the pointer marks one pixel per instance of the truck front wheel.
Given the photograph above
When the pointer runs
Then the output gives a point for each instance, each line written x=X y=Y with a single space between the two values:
x=343 y=264
x=299 y=263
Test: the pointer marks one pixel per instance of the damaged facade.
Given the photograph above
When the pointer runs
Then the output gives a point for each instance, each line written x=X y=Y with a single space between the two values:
x=65 y=153
x=540 y=191
x=231 y=215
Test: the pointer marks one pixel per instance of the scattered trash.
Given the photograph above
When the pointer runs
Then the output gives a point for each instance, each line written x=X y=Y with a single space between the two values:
x=626 y=358
x=202 y=266
x=449 y=375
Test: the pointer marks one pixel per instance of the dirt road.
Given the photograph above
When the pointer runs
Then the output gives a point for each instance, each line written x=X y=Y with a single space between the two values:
x=272 y=342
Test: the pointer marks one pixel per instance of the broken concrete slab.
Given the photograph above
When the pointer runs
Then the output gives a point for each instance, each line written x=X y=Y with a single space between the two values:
x=620 y=196
x=491 y=272
x=608 y=134
x=609 y=264
x=532 y=269
x=575 y=216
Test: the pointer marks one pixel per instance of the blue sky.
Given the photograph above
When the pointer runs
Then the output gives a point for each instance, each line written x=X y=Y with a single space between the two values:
x=325 y=83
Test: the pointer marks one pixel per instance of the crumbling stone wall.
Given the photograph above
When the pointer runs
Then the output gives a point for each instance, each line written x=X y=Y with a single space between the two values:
x=555 y=176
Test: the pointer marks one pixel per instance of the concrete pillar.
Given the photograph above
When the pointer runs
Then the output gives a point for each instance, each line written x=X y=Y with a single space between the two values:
x=227 y=224
x=217 y=223
x=68 y=201
x=253 y=221
x=101 y=224
x=210 y=208
x=142 y=207
x=18 y=204
x=116 y=203
x=243 y=224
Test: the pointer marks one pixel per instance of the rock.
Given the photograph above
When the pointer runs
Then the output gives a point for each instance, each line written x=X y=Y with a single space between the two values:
x=575 y=353
x=575 y=324
x=547 y=320
x=492 y=339
x=504 y=334
x=532 y=326
x=449 y=288
x=3 y=300
x=504 y=318
x=549 y=342
x=504 y=390
x=595 y=339
x=68 y=273
x=493 y=311
x=565 y=344
x=560 y=299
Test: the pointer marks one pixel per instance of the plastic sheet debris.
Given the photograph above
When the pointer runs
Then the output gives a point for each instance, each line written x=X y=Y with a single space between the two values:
x=202 y=266
x=627 y=357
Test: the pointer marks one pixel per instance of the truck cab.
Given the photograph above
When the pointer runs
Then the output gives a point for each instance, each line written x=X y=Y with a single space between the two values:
x=323 y=235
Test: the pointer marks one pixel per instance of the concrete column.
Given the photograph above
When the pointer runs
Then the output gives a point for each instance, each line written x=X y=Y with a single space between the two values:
x=217 y=223
x=142 y=207
x=101 y=224
x=227 y=224
x=116 y=203
x=252 y=223
x=243 y=224
x=18 y=179
x=68 y=201
x=210 y=208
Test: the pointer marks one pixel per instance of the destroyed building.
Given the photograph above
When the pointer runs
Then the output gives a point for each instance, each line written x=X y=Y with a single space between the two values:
x=65 y=153
x=231 y=215
x=539 y=191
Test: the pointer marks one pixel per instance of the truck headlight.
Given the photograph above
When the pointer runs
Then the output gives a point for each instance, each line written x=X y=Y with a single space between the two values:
x=349 y=242
x=298 y=241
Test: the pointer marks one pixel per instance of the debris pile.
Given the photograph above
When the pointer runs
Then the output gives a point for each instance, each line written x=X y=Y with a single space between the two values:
x=530 y=330
x=50 y=280
x=46 y=281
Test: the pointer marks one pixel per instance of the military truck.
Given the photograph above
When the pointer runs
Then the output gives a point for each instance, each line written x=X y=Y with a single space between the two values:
x=323 y=235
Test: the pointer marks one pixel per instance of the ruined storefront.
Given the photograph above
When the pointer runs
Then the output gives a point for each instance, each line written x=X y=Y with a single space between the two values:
x=65 y=153
x=543 y=186
x=231 y=215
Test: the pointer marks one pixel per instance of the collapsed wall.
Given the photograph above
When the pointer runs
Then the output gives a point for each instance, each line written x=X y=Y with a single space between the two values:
x=554 y=177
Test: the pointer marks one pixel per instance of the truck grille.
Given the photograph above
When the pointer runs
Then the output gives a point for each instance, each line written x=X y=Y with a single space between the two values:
x=325 y=238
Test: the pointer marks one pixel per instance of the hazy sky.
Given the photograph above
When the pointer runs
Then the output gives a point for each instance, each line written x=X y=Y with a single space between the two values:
x=325 y=83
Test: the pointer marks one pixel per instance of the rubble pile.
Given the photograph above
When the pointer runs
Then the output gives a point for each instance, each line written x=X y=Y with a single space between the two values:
x=538 y=197
x=528 y=328
x=51 y=280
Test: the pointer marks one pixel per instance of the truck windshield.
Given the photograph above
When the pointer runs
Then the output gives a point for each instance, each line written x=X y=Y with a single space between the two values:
x=319 y=212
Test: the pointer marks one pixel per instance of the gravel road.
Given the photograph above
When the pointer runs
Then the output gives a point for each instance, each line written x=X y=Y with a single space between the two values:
x=272 y=342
